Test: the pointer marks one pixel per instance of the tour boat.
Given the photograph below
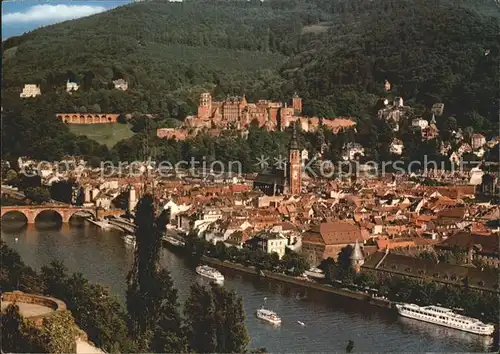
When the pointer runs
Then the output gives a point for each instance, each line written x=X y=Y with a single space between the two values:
x=268 y=316
x=210 y=273
x=445 y=317
x=129 y=240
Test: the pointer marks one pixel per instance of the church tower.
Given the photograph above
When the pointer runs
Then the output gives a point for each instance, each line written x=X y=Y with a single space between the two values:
x=294 y=163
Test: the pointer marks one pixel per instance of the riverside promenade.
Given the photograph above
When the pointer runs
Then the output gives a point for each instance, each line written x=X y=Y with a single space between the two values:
x=295 y=281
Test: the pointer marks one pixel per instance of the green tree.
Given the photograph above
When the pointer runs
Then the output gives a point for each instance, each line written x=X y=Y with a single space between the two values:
x=38 y=194
x=168 y=336
x=232 y=335
x=62 y=191
x=11 y=176
x=95 y=108
x=344 y=268
x=12 y=327
x=58 y=333
x=329 y=268
x=199 y=322
x=151 y=297
x=55 y=278
x=295 y=263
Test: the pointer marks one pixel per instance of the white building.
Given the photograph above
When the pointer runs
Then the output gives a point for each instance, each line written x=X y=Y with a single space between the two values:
x=277 y=244
x=132 y=199
x=304 y=155
x=419 y=123
x=211 y=214
x=71 y=86
x=271 y=242
x=30 y=90
x=396 y=147
x=121 y=84
x=477 y=141
x=175 y=208
x=398 y=102
x=351 y=151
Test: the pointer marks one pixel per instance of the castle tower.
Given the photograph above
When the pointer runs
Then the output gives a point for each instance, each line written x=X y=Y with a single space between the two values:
x=205 y=106
x=297 y=104
x=294 y=163
x=87 y=197
x=357 y=258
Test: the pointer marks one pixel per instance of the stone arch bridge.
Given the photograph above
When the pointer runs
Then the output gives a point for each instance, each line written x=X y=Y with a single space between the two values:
x=65 y=211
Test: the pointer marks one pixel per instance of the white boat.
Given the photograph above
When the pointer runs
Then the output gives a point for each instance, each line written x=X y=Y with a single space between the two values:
x=268 y=316
x=315 y=273
x=210 y=273
x=301 y=323
x=445 y=317
x=129 y=240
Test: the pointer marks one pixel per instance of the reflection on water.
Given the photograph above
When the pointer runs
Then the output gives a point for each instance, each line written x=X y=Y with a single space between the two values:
x=330 y=321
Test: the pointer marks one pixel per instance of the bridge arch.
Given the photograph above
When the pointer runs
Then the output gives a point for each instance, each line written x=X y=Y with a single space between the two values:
x=31 y=212
x=72 y=213
x=14 y=212
x=47 y=211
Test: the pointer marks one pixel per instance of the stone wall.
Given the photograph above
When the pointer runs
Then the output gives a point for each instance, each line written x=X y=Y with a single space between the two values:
x=20 y=297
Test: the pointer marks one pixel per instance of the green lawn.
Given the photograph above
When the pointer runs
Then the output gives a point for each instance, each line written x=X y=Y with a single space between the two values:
x=108 y=134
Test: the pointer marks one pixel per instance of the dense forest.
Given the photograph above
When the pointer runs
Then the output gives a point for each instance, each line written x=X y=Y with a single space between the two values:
x=335 y=54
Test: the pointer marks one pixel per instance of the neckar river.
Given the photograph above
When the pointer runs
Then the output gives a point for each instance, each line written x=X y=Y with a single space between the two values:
x=330 y=321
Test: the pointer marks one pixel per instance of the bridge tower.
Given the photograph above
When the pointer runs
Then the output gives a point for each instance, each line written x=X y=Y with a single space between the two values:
x=132 y=199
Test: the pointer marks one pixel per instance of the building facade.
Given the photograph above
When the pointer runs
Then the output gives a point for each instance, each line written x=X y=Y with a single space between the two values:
x=328 y=239
x=236 y=112
x=30 y=90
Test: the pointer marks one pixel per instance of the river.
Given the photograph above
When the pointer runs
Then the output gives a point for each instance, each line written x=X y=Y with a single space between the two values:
x=330 y=321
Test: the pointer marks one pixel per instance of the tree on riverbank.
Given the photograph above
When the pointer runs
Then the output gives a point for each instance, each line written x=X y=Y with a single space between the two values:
x=57 y=333
x=151 y=297
x=215 y=320
x=103 y=318
x=98 y=313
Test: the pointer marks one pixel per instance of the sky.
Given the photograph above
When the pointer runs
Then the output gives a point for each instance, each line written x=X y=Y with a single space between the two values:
x=19 y=16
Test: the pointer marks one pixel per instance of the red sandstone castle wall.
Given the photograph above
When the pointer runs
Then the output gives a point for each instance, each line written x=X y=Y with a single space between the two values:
x=88 y=118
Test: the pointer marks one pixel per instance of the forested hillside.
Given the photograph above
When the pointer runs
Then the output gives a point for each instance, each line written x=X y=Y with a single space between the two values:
x=336 y=54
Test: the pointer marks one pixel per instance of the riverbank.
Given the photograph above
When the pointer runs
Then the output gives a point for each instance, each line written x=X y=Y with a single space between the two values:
x=295 y=281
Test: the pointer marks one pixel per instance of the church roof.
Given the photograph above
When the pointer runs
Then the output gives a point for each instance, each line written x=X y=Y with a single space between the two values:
x=274 y=176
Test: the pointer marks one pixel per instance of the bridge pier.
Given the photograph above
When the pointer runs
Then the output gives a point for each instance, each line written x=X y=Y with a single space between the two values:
x=31 y=216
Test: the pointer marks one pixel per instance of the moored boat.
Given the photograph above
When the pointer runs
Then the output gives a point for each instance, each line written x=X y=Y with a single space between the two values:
x=445 y=317
x=173 y=241
x=210 y=273
x=315 y=273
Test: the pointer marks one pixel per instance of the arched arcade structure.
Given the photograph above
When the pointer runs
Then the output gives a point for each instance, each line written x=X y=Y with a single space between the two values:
x=31 y=212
